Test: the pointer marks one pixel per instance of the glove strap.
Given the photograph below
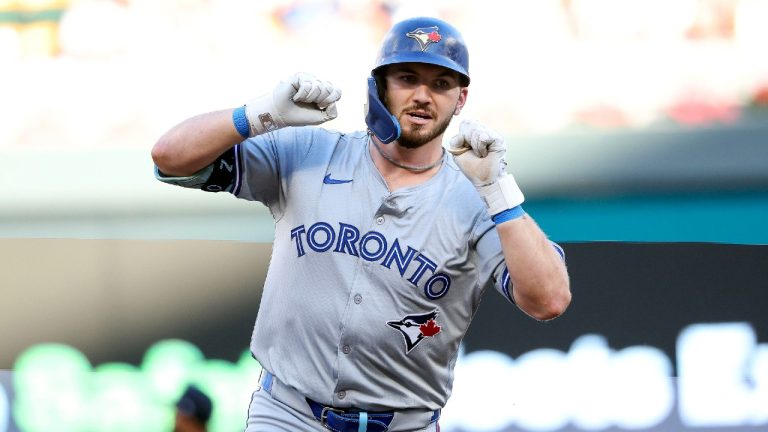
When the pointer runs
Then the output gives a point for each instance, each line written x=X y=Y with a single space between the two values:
x=501 y=195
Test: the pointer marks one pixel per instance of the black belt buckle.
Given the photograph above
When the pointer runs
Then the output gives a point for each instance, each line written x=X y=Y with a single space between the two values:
x=325 y=411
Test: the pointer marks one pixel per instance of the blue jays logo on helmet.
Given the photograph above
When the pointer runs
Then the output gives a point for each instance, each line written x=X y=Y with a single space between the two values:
x=416 y=328
x=425 y=40
x=425 y=36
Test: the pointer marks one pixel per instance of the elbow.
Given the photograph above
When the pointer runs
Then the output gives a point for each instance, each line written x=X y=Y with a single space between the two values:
x=165 y=159
x=551 y=305
x=553 y=308
x=161 y=155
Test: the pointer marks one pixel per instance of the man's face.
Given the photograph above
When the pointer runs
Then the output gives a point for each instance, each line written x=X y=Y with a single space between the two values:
x=423 y=98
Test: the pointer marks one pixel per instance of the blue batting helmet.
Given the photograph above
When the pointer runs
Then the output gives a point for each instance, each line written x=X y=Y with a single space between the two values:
x=425 y=40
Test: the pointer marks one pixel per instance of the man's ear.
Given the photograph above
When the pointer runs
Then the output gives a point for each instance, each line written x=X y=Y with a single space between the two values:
x=462 y=100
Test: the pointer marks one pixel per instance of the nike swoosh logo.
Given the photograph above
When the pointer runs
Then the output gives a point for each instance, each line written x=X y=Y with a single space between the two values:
x=328 y=180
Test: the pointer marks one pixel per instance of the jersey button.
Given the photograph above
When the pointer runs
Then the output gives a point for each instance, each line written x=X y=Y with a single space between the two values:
x=346 y=349
x=358 y=299
x=380 y=220
x=342 y=394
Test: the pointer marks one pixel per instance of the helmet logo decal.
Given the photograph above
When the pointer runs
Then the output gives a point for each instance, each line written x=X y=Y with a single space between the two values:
x=425 y=36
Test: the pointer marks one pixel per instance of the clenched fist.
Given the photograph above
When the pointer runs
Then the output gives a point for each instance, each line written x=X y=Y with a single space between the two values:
x=299 y=101
x=479 y=152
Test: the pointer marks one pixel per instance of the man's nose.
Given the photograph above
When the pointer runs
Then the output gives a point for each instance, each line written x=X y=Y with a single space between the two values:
x=422 y=94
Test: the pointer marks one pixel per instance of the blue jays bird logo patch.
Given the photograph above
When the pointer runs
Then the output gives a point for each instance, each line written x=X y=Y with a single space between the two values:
x=416 y=328
x=425 y=36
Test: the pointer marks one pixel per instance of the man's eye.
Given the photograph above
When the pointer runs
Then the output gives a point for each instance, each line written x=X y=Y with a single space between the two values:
x=442 y=84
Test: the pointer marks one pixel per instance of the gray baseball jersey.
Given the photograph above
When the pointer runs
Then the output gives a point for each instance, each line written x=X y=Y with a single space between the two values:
x=369 y=292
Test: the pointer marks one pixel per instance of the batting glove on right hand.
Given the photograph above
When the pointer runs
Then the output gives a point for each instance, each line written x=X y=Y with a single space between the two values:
x=479 y=152
x=300 y=101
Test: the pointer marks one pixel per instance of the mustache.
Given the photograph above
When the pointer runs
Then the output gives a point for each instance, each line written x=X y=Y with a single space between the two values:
x=419 y=107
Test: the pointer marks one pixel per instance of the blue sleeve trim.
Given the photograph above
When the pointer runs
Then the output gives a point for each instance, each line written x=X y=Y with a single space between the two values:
x=241 y=122
x=509 y=214
x=559 y=250
x=506 y=285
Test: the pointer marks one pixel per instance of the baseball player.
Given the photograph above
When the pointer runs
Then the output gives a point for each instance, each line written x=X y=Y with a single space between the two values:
x=193 y=411
x=384 y=242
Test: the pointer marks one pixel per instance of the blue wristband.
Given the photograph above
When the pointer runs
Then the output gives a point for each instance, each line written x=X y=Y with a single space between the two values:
x=241 y=122
x=509 y=214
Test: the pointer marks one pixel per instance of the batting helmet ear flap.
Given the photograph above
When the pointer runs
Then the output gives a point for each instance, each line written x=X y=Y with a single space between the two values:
x=381 y=83
x=378 y=118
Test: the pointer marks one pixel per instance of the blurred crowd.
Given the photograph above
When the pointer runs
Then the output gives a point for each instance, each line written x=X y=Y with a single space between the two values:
x=95 y=73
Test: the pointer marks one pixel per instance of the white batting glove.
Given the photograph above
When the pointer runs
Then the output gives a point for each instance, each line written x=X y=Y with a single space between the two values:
x=479 y=152
x=301 y=100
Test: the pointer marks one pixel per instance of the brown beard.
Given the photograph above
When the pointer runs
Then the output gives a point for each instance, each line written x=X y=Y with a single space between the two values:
x=413 y=139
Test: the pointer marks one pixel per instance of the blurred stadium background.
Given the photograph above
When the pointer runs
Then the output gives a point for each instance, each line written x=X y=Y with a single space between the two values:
x=629 y=123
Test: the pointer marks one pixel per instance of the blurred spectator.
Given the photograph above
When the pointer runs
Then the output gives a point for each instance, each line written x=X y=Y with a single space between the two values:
x=32 y=26
x=698 y=108
x=602 y=116
x=760 y=98
x=193 y=410
x=714 y=20
x=306 y=15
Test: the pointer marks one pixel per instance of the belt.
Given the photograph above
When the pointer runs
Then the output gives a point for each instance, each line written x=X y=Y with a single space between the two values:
x=348 y=419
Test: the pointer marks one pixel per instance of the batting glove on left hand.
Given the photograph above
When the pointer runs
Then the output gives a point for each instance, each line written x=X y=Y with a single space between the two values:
x=479 y=152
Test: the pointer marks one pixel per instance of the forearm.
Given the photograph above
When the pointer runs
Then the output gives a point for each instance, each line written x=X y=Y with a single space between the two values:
x=540 y=284
x=539 y=278
x=195 y=143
